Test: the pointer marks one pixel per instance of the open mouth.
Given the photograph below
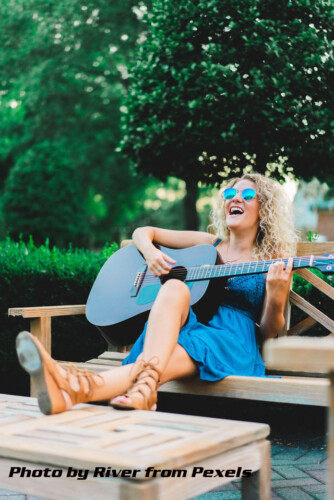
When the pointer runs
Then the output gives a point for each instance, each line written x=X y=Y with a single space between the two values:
x=235 y=211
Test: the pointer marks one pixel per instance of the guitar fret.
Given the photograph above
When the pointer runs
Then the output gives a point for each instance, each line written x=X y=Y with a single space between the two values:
x=204 y=272
x=197 y=273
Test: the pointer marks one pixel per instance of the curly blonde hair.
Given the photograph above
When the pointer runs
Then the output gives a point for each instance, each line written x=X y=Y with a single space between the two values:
x=276 y=236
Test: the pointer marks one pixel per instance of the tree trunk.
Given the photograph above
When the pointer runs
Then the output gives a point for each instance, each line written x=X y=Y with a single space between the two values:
x=261 y=162
x=191 y=215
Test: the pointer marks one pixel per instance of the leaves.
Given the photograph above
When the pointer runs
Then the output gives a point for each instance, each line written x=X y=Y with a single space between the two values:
x=62 y=78
x=233 y=79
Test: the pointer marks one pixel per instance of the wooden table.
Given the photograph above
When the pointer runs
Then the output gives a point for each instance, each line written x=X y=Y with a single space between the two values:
x=307 y=354
x=152 y=455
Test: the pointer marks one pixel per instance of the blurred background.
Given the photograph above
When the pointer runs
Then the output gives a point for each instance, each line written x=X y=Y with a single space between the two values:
x=115 y=115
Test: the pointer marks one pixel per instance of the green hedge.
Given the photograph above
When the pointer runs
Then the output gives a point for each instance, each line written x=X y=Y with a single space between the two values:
x=40 y=276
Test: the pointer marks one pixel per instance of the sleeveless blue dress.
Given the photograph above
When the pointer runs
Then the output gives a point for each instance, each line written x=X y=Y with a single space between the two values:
x=227 y=344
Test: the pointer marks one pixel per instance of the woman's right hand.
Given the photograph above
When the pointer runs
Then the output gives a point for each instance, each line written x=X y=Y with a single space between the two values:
x=157 y=261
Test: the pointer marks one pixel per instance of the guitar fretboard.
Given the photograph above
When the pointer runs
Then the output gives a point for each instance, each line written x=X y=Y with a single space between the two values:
x=199 y=273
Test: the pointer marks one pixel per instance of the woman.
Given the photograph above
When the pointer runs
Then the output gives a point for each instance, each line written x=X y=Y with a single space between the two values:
x=252 y=222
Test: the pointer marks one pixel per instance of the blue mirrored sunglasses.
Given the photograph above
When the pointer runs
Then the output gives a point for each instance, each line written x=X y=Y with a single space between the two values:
x=247 y=194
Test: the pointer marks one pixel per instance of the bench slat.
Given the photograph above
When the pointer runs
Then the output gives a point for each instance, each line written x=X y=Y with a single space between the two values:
x=317 y=282
x=314 y=248
x=302 y=326
x=302 y=354
x=295 y=390
x=305 y=306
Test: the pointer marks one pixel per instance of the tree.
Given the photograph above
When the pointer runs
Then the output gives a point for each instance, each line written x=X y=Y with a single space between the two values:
x=43 y=197
x=220 y=85
x=63 y=74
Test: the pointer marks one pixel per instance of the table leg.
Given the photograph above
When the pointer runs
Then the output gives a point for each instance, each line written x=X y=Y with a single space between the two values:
x=258 y=485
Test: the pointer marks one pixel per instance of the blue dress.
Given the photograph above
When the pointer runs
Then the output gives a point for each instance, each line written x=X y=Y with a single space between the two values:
x=227 y=344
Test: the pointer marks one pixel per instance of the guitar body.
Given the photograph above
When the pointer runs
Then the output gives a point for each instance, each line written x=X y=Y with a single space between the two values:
x=117 y=311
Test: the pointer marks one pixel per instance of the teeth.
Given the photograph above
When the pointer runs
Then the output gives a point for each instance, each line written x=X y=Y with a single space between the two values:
x=236 y=211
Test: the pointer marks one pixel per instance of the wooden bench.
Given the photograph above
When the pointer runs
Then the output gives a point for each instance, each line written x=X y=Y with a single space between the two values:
x=297 y=389
x=97 y=452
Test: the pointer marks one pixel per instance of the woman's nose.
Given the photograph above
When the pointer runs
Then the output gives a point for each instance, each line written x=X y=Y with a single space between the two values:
x=238 y=196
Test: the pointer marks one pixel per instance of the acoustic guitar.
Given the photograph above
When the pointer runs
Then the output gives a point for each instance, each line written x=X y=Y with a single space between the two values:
x=124 y=290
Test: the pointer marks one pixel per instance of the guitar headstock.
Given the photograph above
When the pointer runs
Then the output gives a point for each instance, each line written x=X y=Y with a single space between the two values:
x=325 y=263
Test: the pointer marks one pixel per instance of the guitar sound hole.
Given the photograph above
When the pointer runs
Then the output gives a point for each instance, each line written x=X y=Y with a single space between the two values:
x=178 y=272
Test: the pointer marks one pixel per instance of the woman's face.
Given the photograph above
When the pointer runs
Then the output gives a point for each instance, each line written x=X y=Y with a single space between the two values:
x=242 y=214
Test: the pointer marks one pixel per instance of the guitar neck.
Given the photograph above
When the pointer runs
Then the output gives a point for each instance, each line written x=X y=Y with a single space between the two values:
x=200 y=273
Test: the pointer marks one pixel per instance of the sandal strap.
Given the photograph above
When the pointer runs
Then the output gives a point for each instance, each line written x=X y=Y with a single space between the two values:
x=85 y=390
x=141 y=365
x=147 y=375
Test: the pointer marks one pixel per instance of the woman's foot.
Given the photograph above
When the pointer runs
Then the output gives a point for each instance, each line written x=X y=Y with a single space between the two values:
x=58 y=388
x=143 y=393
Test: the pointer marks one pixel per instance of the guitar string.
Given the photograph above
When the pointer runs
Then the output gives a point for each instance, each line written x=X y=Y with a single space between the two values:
x=227 y=267
x=224 y=268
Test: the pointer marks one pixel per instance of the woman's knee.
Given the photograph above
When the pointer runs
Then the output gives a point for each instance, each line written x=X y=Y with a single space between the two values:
x=175 y=289
x=173 y=296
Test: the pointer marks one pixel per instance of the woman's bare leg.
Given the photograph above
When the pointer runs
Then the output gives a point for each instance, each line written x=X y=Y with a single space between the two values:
x=169 y=313
x=180 y=365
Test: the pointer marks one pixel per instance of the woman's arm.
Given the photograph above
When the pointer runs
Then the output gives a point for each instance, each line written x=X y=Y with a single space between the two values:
x=158 y=262
x=277 y=291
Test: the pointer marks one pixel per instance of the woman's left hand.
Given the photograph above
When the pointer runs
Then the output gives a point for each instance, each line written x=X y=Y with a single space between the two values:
x=278 y=282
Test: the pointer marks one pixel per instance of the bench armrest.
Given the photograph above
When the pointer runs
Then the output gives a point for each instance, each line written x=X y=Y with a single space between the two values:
x=40 y=319
x=46 y=311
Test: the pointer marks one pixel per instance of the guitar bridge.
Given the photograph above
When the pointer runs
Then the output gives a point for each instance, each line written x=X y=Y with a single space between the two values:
x=138 y=281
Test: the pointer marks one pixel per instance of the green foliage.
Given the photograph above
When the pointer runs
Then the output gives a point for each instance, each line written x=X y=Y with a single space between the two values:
x=223 y=84
x=44 y=275
x=62 y=77
x=43 y=197
x=312 y=236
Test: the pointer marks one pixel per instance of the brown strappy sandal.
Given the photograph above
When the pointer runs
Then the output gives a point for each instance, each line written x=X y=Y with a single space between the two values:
x=146 y=375
x=48 y=380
